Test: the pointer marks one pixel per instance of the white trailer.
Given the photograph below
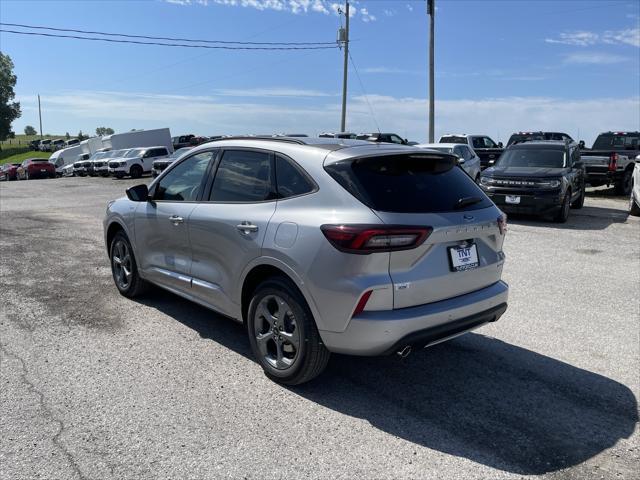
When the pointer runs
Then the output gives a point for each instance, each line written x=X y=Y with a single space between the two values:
x=91 y=145
x=63 y=157
x=160 y=137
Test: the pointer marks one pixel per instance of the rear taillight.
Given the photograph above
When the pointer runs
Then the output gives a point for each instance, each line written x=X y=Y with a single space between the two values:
x=365 y=239
x=613 y=162
x=502 y=223
x=362 y=303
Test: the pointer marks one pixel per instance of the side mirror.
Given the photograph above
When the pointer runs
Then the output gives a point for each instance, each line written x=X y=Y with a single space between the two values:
x=138 y=193
x=500 y=145
x=461 y=160
x=406 y=140
x=581 y=143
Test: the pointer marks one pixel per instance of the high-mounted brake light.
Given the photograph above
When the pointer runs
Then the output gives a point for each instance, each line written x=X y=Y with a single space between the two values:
x=502 y=223
x=613 y=162
x=365 y=239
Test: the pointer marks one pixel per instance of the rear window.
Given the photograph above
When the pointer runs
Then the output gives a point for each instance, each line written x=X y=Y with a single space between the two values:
x=40 y=160
x=616 y=142
x=452 y=139
x=417 y=183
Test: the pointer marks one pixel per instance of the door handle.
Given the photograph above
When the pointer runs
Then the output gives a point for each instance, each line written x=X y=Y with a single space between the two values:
x=176 y=219
x=247 y=227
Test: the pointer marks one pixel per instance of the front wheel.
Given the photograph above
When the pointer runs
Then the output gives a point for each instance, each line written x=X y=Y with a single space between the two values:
x=563 y=214
x=135 y=171
x=124 y=267
x=283 y=334
x=634 y=208
x=579 y=203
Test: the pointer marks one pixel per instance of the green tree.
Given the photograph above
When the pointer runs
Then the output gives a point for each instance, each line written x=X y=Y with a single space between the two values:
x=67 y=136
x=81 y=136
x=29 y=130
x=100 y=131
x=9 y=110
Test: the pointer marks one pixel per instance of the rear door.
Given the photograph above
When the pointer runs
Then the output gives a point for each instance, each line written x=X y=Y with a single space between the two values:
x=161 y=225
x=227 y=230
x=412 y=190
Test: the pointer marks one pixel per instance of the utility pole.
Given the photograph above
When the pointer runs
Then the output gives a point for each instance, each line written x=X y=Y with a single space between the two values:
x=346 y=67
x=40 y=115
x=431 y=11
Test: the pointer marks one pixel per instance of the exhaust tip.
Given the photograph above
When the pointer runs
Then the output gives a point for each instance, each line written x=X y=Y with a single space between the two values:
x=404 y=351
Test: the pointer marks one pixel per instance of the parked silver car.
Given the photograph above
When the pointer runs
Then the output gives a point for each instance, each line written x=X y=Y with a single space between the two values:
x=317 y=245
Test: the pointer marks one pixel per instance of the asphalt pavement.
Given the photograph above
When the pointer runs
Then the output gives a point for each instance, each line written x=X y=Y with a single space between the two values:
x=96 y=386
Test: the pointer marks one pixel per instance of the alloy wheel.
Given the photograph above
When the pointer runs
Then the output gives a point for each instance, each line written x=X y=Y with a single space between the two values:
x=122 y=264
x=276 y=332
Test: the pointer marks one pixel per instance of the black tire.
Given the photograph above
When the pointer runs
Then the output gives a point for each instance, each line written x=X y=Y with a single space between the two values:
x=309 y=358
x=624 y=185
x=579 y=203
x=477 y=179
x=128 y=285
x=135 y=171
x=563 y=214
x=634 y=208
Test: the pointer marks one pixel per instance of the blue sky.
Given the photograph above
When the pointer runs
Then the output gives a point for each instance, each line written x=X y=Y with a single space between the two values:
x=501 y=66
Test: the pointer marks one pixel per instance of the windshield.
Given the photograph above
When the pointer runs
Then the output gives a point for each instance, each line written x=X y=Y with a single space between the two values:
x=452 y=139
x=179 y=152
x=533 y=158
x=612 y=141
x=39 y=160
x=97 y=156
x=134 y=153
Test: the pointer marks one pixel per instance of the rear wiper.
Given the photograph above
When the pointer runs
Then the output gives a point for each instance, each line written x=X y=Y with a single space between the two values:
x=466 y=201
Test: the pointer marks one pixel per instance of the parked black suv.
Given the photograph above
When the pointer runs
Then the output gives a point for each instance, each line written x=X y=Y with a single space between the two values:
x=528 y=136
x=537 y=177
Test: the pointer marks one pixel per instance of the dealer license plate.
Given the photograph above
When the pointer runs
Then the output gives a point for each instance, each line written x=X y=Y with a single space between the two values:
x=512 y=199
x=464 y=257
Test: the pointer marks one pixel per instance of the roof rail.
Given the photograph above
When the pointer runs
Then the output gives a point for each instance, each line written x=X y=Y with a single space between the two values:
x=261 y=137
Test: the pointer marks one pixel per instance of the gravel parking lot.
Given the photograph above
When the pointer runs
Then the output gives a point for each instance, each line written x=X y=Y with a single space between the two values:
x=97 y=386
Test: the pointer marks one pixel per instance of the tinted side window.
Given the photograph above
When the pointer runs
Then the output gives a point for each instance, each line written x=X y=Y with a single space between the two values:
x=478 y=142
x=184 y=182
x=243 y=176
x=289 y=180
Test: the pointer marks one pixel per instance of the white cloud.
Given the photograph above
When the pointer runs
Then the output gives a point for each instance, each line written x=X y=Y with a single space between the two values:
x=389 y=13
x=209 y=115
x=291 y=6
x=410 y=7
x=594 y=58
x=575 y=38
x=629 y=36
x=391 y=70
x=271 y=92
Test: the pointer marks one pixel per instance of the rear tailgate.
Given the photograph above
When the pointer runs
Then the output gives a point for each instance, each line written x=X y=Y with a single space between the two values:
x=426 y=274
x=425 y=189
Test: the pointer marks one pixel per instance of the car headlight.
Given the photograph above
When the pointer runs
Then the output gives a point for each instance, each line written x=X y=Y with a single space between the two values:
x=554 y=183
x=487 y=181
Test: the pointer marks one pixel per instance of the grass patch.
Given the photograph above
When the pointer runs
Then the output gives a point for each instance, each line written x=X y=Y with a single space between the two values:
x=23 y=140
x=21 y=157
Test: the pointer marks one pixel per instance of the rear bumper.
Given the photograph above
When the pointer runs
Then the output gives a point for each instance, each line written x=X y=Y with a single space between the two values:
x=383 y=332
x=600 y=175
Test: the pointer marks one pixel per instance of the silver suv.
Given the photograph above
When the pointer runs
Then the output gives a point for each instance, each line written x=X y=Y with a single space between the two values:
x=317 y=245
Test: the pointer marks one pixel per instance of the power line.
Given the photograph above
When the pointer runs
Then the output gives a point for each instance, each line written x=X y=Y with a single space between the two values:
x=212 y=47
x=171 y=39
x=366 y=97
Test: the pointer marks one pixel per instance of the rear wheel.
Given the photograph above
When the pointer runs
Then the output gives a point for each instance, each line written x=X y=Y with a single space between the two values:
x=124 y=267
x=135 y=171
x=623 y=187
x=283 y=334
x=563 y=214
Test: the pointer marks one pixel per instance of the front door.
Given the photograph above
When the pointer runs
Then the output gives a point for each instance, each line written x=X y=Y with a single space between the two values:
x=161 y=225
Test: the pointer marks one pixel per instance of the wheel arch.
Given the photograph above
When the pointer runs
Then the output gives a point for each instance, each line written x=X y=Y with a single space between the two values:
x=263 y=268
